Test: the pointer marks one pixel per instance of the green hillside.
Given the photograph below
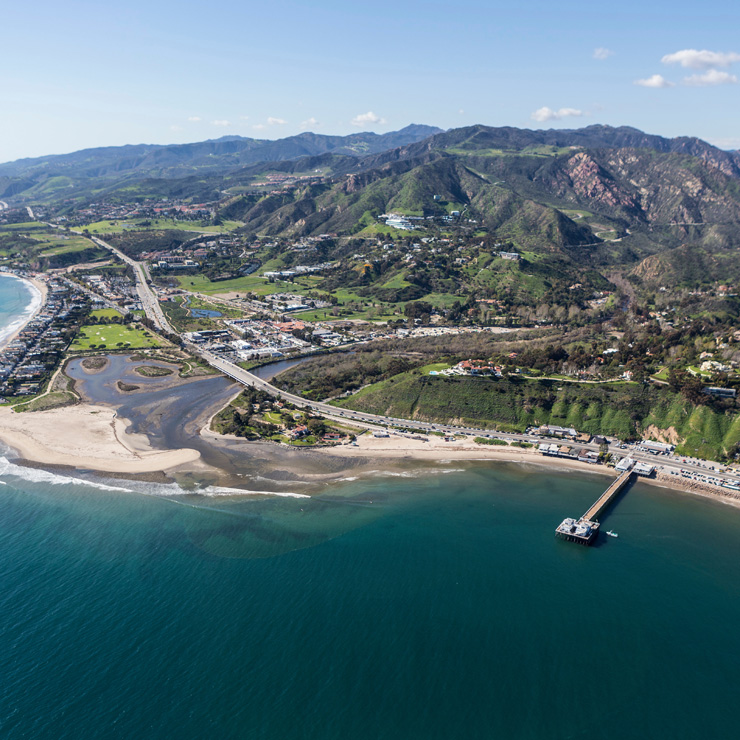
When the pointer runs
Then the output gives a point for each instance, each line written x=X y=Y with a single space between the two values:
x=622 y=410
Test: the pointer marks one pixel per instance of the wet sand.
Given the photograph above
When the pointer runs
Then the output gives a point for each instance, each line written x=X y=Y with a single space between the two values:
x=163 y=426
x=159 y=427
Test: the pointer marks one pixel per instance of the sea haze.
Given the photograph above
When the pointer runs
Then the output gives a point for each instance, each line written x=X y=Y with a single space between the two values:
x=428 y=606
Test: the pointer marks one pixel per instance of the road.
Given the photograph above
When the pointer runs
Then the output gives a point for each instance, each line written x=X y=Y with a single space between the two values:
x=149 y=301
x=667 y=463
x=95 y=296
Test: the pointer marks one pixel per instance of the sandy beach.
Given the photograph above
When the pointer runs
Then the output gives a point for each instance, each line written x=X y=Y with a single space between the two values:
x=42 y=289
x=88 y=437
x=437 y=450
x=92 y=436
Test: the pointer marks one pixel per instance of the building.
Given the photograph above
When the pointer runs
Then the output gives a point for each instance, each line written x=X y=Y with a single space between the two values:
x=555 y=431
x=720 y=392
x=643 y=469
x=657 y=447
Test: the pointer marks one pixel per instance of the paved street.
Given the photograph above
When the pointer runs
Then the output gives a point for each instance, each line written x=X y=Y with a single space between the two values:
x=667 y=463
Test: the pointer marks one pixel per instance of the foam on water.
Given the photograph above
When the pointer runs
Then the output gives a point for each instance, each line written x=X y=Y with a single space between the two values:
x=28 y=312
x=36 y=475
x=224 y=491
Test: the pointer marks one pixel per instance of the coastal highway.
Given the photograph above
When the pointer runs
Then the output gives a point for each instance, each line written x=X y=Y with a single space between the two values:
x=672 y=464
x=149 y=301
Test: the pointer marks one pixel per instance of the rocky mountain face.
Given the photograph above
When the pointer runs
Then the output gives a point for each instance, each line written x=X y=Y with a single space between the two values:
x=599 y=194
x=526 y=191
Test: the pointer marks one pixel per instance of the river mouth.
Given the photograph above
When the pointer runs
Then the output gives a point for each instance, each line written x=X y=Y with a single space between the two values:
x=175 y=413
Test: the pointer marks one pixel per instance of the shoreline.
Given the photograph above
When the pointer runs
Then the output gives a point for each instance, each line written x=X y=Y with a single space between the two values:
x=39 y=292
x=97 y=440
x=394 y=448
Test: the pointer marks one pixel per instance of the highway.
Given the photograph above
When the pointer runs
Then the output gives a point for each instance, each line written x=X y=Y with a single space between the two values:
x=672 y=464
x=149 y=301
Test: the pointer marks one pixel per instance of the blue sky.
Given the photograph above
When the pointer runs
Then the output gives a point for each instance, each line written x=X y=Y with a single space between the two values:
x=80 y=74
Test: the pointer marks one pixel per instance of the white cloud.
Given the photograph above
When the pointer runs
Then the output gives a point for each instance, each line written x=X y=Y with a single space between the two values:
x=221 y=123
x=243 y=118
x=310 y=122
x=710 y=77
x=175 y=128
x=259 y=126
x=461 y=112
x=276 y=121
x=655 y=81
x=601 y=53
x=548 y=114
x=194 y=119
x=694 y=59
x=364 y=118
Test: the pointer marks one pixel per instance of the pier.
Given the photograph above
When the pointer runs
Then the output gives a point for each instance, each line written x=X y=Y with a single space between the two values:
x=584 y=530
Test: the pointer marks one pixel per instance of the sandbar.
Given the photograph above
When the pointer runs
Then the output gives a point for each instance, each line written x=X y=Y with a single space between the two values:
x=88 y=437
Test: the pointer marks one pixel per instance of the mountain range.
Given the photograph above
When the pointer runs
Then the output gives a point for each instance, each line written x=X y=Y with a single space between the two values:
x=599 y=195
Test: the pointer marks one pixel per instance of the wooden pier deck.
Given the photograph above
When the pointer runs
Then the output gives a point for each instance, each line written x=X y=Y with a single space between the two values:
x=585 y=530
x=606 y=498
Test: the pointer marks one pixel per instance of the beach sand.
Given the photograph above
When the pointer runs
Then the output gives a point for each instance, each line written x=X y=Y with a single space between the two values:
x=437 y=450
x=397 y=447
x=88 y=437
x=91 y=436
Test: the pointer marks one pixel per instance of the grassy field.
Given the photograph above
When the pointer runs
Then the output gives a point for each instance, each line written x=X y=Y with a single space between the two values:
x=622 y=410
x=434 y=367
x=28 y=226
x=104 y=313
x=53 y=400
x=114 y=336
x=53 y=243
x=143 y=224
x=243 y=285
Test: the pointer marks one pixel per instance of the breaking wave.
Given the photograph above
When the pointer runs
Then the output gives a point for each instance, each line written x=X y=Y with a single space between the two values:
x=37 y=475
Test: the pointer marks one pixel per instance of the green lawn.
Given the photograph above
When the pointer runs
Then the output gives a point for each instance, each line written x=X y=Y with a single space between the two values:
x=435 y=366
x=27 y=226
x=701 y=373
x=113 y=336
x=248 y=284
x=104 y=313
x=662 y=374
x=142 y=224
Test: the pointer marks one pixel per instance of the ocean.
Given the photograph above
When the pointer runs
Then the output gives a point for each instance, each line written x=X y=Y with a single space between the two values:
x=427 y=604
x=18 y=300
x=434 y=605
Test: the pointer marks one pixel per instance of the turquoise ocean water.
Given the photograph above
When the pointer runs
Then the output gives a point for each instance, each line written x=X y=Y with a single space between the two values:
x=437 y=606
x=17 y=299
x=430 y=605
